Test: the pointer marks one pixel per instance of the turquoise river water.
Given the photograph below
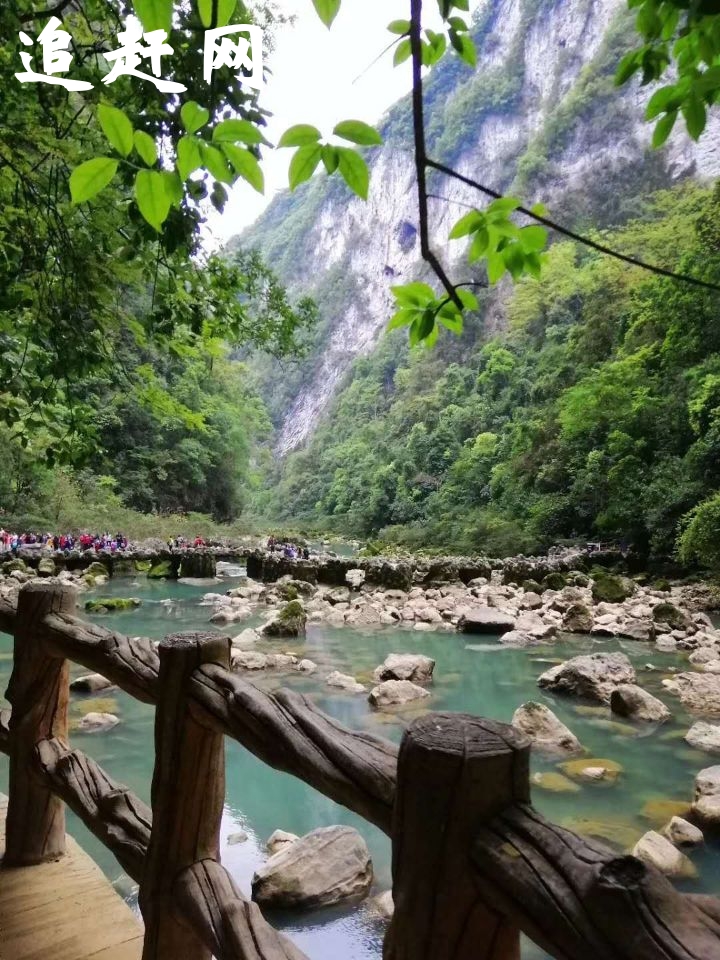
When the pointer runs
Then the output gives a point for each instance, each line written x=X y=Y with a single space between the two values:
x=475 y=675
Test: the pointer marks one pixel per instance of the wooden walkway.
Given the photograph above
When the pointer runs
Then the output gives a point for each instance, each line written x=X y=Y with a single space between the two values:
x=63 y=910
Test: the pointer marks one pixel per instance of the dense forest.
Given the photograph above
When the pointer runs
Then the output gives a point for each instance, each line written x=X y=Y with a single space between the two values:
x=595 y=415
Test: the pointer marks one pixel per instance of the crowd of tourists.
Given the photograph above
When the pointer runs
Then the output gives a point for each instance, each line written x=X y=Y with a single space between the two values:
x=289 y=550
x=11 y=542
x=183 y=543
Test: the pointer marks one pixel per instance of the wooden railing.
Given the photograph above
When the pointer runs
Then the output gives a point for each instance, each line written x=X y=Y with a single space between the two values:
x=473 y=863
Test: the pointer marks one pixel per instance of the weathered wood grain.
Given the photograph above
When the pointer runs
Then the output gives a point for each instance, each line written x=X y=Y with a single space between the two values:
x=188 y=793
x=578 y=899
x=109 y=810
x=231 y=927
x=38 y=691
x=454 y=772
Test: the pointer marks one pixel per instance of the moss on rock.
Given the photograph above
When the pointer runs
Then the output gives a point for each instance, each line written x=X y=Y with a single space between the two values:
x=607 y=588
x=110 y=604
x=161 y=570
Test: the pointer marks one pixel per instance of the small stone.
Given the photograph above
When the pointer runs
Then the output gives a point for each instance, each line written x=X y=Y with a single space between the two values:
x=239 y=837
x=97 y=722
x=405 y=666
x=90 y=683
x=629 y=700
x=383 y=904
x=554 y=782
x=306 y=666
x=704 y=736
x=592 y=770
x=656 y=850
x=547 y=732
x=345 y=682
x=682 y=833
x=278 y=839
x=393 y=693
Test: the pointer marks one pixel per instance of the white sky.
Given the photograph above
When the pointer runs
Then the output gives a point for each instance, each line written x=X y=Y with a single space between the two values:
x=312 y=82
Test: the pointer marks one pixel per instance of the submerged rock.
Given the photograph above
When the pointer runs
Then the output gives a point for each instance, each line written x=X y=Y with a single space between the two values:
x=629 y=700
x=592 y=771
x=330 y=865
x=97 y=722
x=548 y=733
x=405 y=666
x=111 y=604
x=554 y=782
x=345 y=682
x=656 y=850
x=593 y=675
x=393 y=693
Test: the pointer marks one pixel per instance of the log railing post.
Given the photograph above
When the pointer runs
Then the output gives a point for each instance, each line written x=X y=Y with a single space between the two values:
x=188 y=792
x=455 y=772
x=39 y=692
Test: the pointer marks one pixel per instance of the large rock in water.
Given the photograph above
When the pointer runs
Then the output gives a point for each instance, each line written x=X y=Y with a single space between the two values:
x=702 y=736
x=486 y=620
x=289 y=622
x=329 y=865
x=656 y=850
x=699 y=692
x=393 y=693
x=405 y=666
x=629 y=700
x=548 y=733
x=593 y=675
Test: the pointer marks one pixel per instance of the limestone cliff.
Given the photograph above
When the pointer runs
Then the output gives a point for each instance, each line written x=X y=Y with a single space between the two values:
x=539 y=116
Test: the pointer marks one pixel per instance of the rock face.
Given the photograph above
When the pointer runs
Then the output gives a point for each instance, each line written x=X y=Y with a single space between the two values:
x=393 y=693
x=547 y=732
x=656 y=850
x=330 y=865
x=699 y=692
x=289 y=622
x=706 y=805
x=198 y=564
x=629 y=700
x=593 y=675
x=704 y=736
x=486 y=620
x=405 y=666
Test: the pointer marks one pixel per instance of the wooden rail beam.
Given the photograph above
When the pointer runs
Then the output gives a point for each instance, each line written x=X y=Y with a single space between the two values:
x=188 y=793
x=455 y=772
x=38 y=691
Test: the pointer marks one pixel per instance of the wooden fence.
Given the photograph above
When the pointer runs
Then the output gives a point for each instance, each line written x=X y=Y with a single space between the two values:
x=473 y=863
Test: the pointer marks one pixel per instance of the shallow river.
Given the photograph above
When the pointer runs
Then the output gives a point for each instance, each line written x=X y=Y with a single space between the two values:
x=476 y=675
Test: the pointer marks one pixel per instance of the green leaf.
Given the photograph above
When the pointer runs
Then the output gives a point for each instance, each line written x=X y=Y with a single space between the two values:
x=402 y=52
x=327 y=10
x=413 y=294
x=495 y=266
x=354 y=171
x=478 y=247
x=401 y=27
x=245 y=165
x=358 y=132
x=695 y=116
x=468 y=224
x=215 y=162
x=232 y=131
x=663 y=128
x=152 y=197
x=629 y=64
x=154 y=14
x=301 y=135
x=660 y=101
x=330 y=157
x=469 y=300
x=188 y=156
x=304 y=164
x=193 y=116
x=173 y=187
x=533 y=238
x=503 y=205
x=87 y=180
x=539 y=209
x=467 y=50
x=452 y=319
x=145 y=146
x=225 y=10
x=514 y=260
x=402 y=318
x=117 y=128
